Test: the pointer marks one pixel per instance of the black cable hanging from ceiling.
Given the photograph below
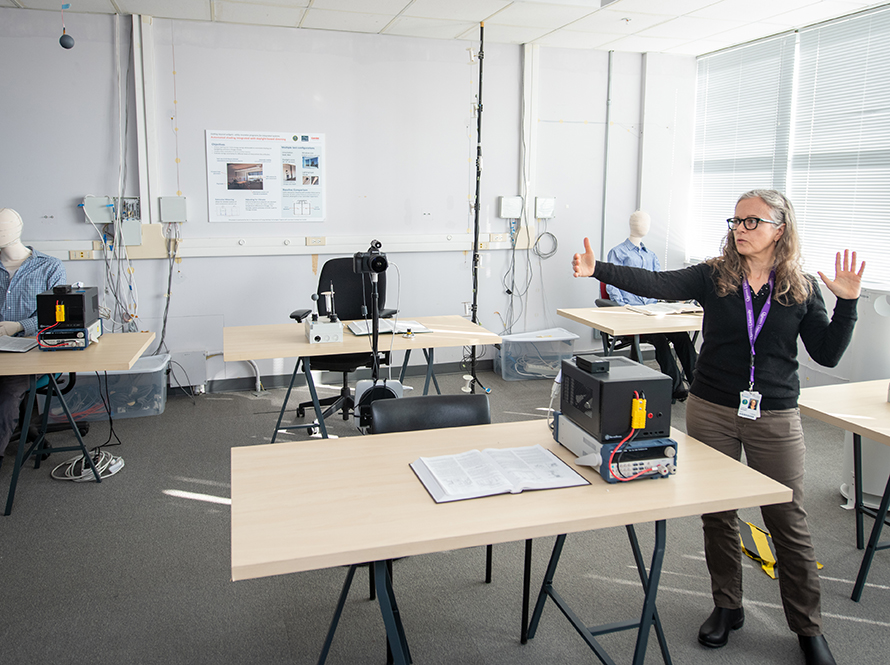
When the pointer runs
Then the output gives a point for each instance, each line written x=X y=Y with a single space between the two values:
x=474 y=307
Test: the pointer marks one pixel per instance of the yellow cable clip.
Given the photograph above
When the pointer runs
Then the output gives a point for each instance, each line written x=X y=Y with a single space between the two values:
x=638 y=413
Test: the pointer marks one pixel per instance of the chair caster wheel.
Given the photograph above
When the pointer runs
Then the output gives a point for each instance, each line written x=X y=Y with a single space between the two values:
x=312 y=431
x=301 y=412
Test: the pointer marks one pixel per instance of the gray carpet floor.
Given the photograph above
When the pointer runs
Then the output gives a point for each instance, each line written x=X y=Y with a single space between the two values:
x=136 y=569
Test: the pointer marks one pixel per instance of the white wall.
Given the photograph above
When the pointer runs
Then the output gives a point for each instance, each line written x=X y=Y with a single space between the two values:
x=398 y=118
x=867 y=358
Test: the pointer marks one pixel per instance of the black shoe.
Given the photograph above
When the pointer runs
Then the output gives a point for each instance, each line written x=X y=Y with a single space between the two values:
x=815 y=650
x=714 y=633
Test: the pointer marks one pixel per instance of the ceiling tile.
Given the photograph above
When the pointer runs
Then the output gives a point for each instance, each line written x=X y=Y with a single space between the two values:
x=813 y=13
x=84 y=6
x=619 y=23
x=536 y=14
x=195 y=10
x=457 y=10
x=573 y=39
x=855 y=5
x=749 y=11
x=506 y=34
x=255 y=14
x=687 y=28
x=676 y=7
x=699 y=47
x=748 y=33
x=391 y=7
x=346 y=21
x=408 y=26
x=289 y=4
x=639 y=44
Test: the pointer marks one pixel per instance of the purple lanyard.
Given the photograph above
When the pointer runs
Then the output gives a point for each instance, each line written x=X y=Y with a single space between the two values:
x=754 y=330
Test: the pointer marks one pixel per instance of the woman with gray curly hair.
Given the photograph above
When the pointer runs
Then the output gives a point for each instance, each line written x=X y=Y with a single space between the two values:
x=757 y=301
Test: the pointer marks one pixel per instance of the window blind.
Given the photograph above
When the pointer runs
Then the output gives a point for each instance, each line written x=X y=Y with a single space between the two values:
x=839 y=177
x=743 y=112
x=806 y=113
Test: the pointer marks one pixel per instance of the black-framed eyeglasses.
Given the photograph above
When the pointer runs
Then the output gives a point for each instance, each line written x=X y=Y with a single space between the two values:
x=749 y=223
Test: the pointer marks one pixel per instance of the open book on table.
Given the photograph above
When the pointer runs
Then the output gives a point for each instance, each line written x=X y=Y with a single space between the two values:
x=475 y=473
x=363 y=327
x=661 y=308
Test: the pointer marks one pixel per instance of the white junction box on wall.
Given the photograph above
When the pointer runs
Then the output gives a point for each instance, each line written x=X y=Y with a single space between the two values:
x=510 y=207
x=188 y=368
x=545 y=207
x=173 y=209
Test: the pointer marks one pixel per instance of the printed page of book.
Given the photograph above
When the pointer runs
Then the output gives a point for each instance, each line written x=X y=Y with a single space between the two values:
x=659 y=308
x=463 y=476
x=534 y=467
x=475 y=474
x=386 y=326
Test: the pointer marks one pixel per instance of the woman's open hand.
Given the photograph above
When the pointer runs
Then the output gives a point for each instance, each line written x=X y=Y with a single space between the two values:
x=847 y=281
x=583 y=264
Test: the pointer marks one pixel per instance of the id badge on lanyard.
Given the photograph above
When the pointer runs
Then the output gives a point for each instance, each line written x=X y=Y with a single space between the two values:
x=749 y=400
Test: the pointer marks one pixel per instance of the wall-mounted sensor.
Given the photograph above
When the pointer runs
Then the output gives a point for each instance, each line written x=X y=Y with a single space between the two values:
x=545 y=207
x=510 y=207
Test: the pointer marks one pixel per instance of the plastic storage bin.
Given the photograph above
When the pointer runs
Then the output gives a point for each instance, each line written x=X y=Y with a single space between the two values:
x=534 y=355
x=139 y=391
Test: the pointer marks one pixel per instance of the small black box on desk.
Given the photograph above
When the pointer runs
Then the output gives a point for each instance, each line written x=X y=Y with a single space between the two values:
x=66 y=307
x=601 y=403
x=592 y=364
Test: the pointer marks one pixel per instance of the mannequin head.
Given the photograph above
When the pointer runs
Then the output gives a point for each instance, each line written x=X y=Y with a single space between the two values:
x=639 y=226
x=10 y=228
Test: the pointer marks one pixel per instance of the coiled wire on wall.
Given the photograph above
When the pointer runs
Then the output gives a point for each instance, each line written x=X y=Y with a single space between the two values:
x=553 y=245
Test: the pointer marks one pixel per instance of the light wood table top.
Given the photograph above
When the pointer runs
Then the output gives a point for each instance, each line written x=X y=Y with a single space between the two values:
x=861 y=407
x=113 y=352
x=621 y=322
x=316 y=504
x=288 y=340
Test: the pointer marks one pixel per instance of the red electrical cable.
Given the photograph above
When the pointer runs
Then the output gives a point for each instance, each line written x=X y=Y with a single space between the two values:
x=40 y=342
x=615 y=450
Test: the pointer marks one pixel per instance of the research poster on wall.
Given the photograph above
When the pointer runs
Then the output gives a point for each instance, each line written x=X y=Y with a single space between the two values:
x=265 y=176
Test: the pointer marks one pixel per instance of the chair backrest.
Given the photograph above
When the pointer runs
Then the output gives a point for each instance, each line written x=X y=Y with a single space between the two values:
x=429 y=412
x=351 y=289
x=604 y=300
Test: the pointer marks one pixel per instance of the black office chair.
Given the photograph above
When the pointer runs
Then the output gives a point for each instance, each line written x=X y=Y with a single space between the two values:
x=409 y=414
x=352 y=300
x=612 y=344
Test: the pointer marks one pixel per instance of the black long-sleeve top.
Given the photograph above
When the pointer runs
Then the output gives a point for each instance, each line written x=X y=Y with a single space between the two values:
x=723 y=367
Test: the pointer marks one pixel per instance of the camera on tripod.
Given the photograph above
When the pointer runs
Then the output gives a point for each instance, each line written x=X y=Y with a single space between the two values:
x=372 y=261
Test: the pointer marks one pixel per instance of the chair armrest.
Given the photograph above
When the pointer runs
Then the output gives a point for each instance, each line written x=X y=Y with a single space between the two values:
x=388 y=313
x=604 y=302
x=300 y=314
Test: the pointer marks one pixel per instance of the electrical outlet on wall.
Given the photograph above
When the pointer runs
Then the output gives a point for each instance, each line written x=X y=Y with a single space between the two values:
x=315 y=241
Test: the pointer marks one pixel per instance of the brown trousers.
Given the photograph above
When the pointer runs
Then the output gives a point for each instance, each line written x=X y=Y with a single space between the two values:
x=774 y=446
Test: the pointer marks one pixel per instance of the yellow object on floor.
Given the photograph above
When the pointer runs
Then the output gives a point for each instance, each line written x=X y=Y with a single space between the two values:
x=758 y=545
